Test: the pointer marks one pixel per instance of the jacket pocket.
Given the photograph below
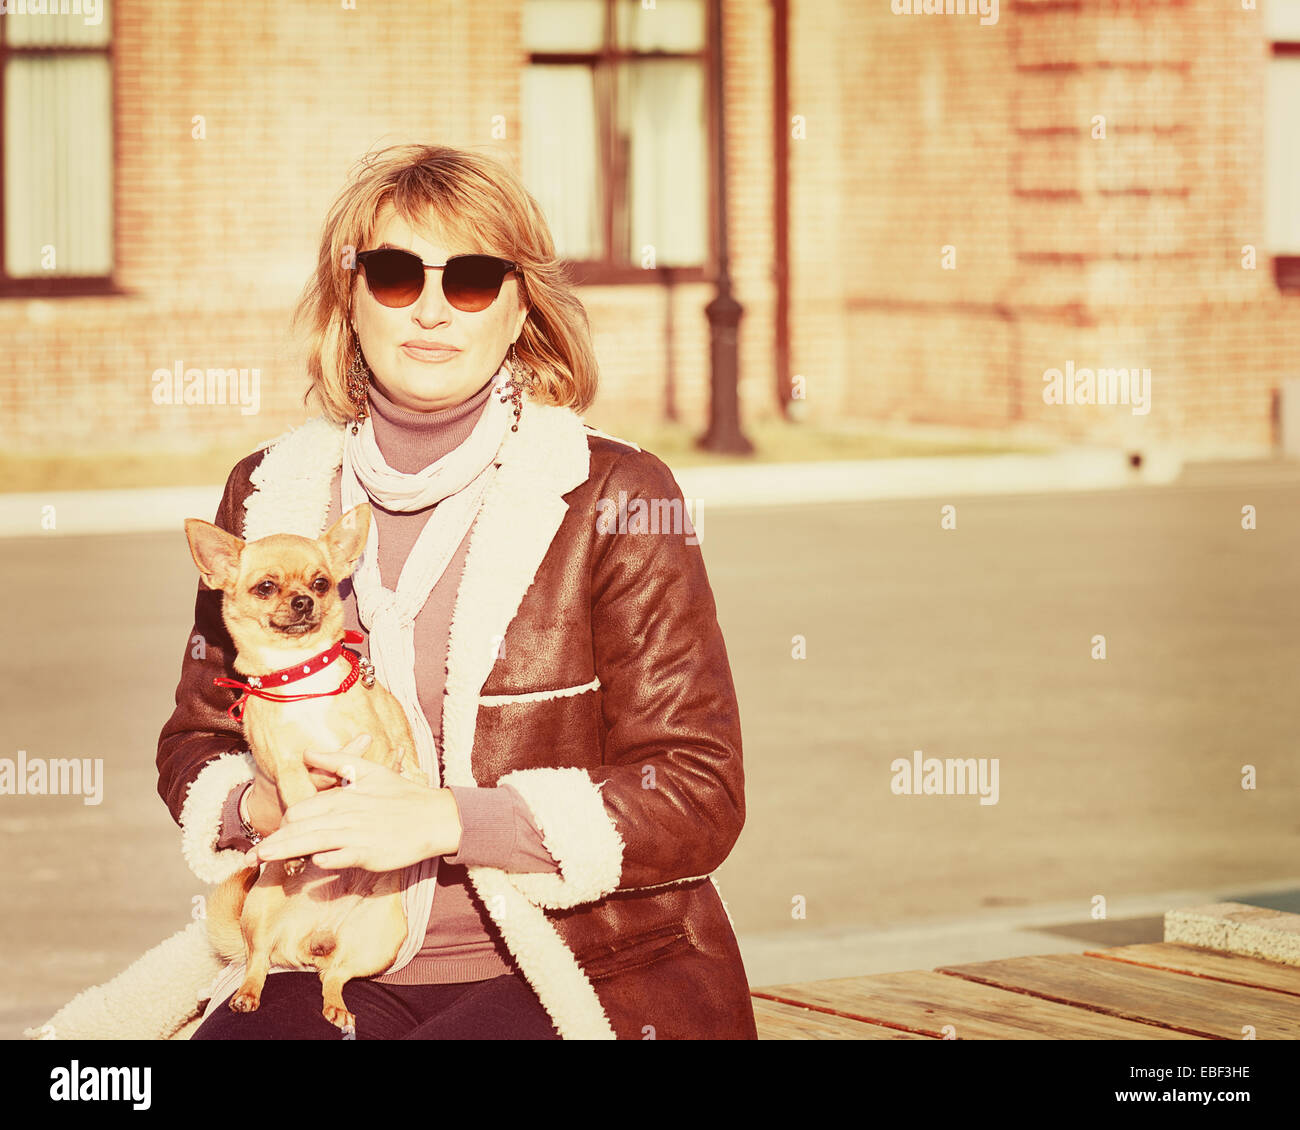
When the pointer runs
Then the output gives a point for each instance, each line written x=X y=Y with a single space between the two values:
x=636 y=951
x=527 y=735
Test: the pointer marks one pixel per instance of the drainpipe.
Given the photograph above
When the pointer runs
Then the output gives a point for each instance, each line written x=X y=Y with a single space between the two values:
x=781 y=196
x=724 y=435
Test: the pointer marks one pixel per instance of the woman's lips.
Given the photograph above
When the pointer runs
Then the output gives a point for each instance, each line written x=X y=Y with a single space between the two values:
x=425 y=353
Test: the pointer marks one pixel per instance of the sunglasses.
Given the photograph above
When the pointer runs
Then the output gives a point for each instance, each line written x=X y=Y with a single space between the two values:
x=469 y=282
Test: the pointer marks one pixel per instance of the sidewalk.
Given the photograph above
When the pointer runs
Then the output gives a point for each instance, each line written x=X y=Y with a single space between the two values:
x=799 y=952
x=763 y=484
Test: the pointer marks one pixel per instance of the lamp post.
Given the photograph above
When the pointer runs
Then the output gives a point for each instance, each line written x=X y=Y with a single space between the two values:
x=724 y=435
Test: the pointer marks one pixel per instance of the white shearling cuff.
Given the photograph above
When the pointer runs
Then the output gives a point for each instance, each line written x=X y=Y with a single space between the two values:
x=201 y=817
x=576 y=829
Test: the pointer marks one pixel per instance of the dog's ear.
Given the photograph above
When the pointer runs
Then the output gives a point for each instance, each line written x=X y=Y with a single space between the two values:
x=215 y=552
x=345 y=541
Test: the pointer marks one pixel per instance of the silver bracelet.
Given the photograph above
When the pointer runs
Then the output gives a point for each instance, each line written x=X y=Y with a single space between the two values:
x=250 y=833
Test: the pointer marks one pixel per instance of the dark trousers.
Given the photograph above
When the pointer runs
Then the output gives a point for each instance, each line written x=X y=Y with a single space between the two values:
x=500 y=1008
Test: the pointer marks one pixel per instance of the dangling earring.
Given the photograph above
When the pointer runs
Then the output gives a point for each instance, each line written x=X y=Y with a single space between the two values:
x=513 y=389
x=358 y=376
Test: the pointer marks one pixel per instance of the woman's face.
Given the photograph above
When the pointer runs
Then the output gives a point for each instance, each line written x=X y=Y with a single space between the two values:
x=423 y=379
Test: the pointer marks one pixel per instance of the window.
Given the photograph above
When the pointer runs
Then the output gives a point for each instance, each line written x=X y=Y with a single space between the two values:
x=1282 y=24
x=56 y=150
x=616 y=134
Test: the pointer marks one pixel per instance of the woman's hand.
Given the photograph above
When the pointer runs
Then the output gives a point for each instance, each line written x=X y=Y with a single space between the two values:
x=377 y=820
x=262 y=801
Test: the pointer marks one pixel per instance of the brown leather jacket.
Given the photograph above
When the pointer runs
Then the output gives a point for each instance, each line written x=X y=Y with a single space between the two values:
x=586 y=668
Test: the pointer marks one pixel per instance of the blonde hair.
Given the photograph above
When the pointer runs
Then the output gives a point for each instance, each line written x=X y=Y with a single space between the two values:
x=470 y=196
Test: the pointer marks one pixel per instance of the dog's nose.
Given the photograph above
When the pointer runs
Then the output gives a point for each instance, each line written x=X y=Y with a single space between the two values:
x=301 y=604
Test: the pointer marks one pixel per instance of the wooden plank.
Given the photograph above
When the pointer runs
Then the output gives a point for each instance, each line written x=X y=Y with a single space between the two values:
x=1213 y=1009
x=1198 y=961
x=779 y=1021
x=925 y=1002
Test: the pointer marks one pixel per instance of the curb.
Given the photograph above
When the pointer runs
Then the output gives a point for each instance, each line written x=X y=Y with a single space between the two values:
x=951 y=476
x=1235 y=927
x=158 y=509
x=76 y=512
x=783 y=956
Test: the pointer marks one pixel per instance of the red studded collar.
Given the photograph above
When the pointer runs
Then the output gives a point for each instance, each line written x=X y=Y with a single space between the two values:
x=258 y=686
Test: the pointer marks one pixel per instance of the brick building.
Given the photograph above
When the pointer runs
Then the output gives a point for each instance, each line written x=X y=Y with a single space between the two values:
x=926 y=212
x=1124 y=242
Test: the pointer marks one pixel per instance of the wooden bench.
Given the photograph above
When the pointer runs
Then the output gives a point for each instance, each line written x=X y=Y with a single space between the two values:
x=1224 y=971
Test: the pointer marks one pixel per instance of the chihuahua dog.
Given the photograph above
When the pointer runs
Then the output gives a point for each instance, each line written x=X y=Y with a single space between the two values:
x=282 y=607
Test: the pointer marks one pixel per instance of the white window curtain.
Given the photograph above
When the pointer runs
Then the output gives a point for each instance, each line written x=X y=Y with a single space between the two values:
x=1283 y=155
x=563 y=25
x=87 y=28
x=662 y=106
x=1281 y=19
x=671 y=25
x=58 y=148
x=58 y=165
x=560 y=153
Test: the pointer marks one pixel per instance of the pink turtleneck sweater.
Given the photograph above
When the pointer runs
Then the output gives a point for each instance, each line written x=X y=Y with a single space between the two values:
x=461 y=943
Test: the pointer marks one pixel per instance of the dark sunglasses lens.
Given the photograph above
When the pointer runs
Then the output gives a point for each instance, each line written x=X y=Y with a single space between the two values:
x=472 y=282
x=395 y=278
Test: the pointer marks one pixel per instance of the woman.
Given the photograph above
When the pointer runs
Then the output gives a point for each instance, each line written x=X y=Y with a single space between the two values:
x=582 y=737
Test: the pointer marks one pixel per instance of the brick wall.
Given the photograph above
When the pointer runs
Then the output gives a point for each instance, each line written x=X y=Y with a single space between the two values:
x=920 y=132
x=1123 y=251
x=216 y=237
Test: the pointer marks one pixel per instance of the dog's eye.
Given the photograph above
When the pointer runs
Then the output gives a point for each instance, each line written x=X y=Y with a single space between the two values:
x=265 y=588
x=321 y=584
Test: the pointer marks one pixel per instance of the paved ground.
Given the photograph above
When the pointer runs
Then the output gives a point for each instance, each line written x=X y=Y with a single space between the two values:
x=1118 y=778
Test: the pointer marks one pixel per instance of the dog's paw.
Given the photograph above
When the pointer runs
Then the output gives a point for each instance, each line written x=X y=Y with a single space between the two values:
x=340 y=1017
x=294 y=867
x=245 y=1001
